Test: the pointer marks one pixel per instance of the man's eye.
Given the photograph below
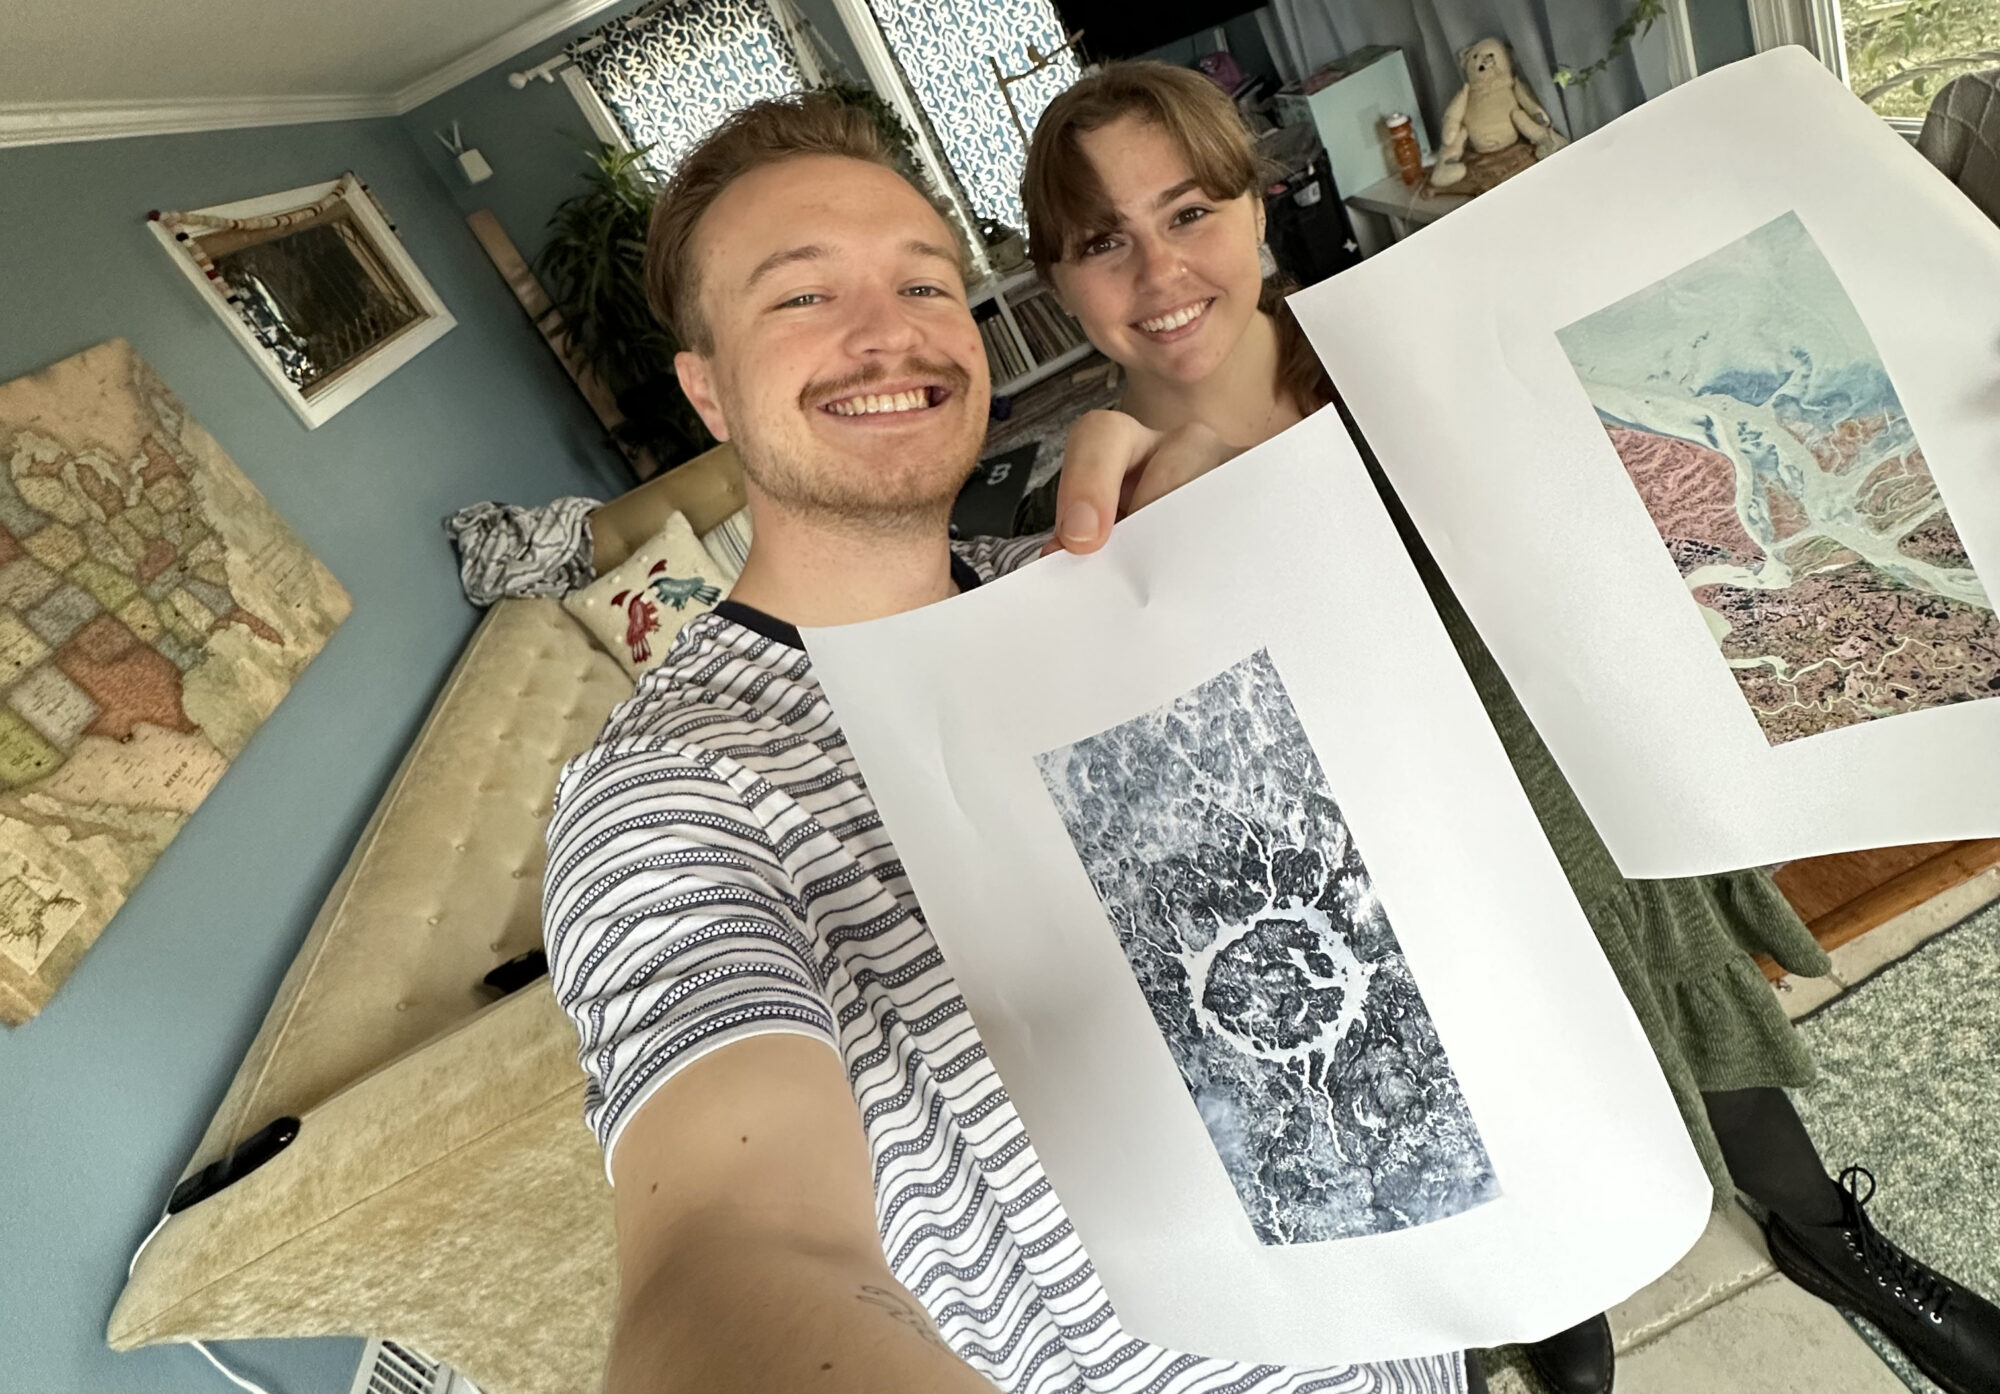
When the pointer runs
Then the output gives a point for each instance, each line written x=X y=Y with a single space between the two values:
x=925 y=291
x=1098 y=246
x=809 y=297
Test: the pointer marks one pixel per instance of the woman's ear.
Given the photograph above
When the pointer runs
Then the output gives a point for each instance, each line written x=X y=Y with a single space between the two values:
x=1258 y=203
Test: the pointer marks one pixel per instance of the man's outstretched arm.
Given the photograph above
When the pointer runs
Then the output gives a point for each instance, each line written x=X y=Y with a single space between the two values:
x=748 y=1257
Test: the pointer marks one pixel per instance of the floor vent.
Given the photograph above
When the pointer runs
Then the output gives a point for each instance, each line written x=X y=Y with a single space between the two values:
x=387 y=1368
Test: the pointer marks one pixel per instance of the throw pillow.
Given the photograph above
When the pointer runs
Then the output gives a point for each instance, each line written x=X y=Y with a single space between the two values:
x=728 y=543
x=636 y=609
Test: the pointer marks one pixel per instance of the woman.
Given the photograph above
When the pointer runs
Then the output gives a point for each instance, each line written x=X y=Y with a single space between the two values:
x=1143 y=216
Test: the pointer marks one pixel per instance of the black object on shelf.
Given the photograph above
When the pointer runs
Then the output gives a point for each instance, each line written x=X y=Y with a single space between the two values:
x=987 y=503
x=1306 y=226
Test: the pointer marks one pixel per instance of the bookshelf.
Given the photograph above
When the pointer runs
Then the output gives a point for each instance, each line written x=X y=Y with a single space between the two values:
x=1027 y=334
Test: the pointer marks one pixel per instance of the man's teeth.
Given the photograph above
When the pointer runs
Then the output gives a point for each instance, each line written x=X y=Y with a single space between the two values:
x=870 y=403
x=1187 y=314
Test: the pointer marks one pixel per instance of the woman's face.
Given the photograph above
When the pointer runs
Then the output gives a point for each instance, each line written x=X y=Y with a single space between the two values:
x=1169 y=289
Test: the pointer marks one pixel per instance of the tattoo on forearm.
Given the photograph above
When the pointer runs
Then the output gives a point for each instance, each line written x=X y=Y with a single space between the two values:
x=903 y=1312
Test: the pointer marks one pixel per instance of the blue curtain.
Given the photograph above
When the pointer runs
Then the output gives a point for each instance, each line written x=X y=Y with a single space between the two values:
x=671 y=72
x=944 y=48
x=1544 y=34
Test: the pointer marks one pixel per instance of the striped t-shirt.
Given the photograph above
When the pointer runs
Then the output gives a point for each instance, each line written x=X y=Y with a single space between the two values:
x=717 y=870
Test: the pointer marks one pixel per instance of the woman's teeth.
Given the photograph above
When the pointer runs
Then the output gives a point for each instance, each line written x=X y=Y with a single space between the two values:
x=1187 y=314
x=873 y=402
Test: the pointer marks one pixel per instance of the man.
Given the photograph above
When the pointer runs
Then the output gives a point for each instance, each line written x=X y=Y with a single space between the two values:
x=820 y=1183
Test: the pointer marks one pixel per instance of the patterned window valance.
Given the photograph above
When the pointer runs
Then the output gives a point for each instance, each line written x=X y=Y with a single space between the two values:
x=942 y=47
x=673 y=71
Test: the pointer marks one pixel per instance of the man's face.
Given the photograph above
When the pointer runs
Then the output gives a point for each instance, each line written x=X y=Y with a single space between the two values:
x=846 y=366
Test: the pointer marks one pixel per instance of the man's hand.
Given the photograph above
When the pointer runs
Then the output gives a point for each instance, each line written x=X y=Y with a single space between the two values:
x=1113 y=466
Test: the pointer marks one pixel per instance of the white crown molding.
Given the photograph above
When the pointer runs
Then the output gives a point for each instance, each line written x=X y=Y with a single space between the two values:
x=494 y=52
x=55 y=123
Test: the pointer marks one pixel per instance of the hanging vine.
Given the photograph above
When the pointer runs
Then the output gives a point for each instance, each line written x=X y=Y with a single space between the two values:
x=1643 y=15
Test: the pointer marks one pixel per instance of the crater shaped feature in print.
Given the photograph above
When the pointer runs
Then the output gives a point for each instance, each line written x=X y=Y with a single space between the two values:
x=1251 y=925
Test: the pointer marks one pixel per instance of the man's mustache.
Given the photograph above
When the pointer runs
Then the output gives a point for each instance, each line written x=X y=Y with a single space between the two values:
x=941 y=371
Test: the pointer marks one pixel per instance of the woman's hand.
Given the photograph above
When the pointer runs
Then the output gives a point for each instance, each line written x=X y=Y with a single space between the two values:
x=1113 y=466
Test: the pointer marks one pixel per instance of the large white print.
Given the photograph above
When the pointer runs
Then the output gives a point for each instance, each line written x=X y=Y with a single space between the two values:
x=1701 y=420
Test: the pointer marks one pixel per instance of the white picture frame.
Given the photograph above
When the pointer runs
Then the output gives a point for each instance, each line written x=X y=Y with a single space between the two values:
x=315 y=405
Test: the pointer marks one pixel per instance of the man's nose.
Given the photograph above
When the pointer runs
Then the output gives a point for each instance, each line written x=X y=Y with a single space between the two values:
x=882 y=322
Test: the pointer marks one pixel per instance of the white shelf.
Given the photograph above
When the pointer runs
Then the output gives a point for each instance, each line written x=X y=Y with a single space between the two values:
x=1001 y=285
x=1007 y=292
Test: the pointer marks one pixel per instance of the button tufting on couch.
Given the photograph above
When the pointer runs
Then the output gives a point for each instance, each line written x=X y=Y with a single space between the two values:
x=443 y=1191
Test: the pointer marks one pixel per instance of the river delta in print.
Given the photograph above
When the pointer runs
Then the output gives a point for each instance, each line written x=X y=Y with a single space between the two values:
x=1752 y=411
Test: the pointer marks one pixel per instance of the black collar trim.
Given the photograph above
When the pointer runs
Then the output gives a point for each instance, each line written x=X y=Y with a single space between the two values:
x=778 y=631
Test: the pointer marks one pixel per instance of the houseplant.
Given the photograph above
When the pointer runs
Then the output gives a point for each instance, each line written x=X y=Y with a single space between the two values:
x=594 y=268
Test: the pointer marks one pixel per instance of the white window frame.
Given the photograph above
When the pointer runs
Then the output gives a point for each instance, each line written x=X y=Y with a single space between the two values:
x=432 y=323
x=1815 y=26
x=604 y=124
x=882 y=76
x=887 y=79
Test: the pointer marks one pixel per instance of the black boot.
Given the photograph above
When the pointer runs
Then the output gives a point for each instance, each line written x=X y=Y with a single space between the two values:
x=1951 y=1334
x=1576 y=1361
x=1821 y=1238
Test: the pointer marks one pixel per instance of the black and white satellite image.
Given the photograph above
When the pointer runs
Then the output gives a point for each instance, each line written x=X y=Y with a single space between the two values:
x=1242 y=904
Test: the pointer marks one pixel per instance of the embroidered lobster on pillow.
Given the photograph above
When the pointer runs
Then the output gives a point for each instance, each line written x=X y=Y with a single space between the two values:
x=642 y=616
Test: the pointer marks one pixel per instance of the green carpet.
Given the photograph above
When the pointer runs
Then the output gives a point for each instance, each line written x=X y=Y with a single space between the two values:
x=1909 y=1087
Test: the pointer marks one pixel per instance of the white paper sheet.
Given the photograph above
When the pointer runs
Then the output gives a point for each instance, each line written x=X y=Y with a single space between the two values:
x=1693 y=254
x=1282 y=562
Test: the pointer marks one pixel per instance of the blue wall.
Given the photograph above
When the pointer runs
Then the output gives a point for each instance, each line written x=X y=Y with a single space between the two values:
x=103 y=1097
x=535 y=138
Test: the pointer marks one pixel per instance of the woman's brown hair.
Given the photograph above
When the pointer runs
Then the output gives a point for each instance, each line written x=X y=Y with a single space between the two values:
x=1067 y=204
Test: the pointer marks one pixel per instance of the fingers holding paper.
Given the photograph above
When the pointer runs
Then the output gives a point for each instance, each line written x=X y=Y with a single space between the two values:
x=1113 y=466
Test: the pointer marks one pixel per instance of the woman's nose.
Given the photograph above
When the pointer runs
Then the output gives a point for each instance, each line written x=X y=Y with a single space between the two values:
x=1157 y=263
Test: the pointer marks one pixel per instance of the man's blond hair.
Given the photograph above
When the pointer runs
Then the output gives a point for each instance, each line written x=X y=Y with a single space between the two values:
x=764 y=133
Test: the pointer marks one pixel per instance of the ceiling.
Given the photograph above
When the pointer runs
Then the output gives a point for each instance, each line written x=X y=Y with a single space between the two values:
x=94 y=68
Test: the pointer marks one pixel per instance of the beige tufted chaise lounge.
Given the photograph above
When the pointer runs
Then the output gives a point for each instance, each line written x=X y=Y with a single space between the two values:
x=442 y=1191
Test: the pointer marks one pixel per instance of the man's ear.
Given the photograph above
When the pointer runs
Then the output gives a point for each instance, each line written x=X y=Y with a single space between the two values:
x=698 y=382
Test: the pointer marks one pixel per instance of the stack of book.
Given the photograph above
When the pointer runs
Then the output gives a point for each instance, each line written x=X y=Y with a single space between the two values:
x=1004 y=356
x=1050 y=332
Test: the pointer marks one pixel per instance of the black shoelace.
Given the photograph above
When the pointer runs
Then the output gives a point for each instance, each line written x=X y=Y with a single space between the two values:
x=1924 y=1291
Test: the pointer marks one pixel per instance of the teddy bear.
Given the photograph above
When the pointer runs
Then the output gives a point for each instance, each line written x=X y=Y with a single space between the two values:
x=1491 y=112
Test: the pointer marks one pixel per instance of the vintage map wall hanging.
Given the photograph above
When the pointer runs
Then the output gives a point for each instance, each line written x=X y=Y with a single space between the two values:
x=154 y=609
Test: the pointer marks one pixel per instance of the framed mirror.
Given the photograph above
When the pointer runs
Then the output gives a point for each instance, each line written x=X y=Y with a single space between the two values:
x=316 y=286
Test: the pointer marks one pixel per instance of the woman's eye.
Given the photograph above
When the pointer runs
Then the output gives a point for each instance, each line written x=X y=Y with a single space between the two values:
x=1098 y=246
x=1192 y=213
x=926 y=292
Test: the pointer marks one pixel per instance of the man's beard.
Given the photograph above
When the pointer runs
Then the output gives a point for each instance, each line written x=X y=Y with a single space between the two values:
x=892 y=496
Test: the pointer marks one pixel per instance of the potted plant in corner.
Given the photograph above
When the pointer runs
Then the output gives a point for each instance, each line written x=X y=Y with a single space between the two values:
x=594 y=268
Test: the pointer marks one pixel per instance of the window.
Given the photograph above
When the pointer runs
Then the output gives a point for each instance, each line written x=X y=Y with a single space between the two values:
x=670 y=73
x=1894 y=54
x=948 y=51
x=1899 y=52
